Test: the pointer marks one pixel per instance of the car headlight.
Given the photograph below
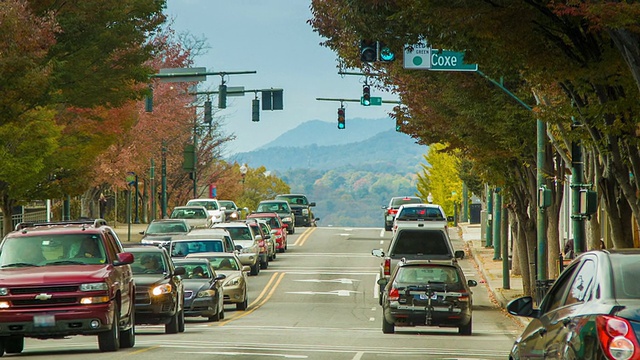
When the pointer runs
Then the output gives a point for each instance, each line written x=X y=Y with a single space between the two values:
x=4 y=291
x=286 y=219
x=234 y=215
x=232 y=282
x=305 y=211
x=206 y=293
x=94 y=286
x=161 y=289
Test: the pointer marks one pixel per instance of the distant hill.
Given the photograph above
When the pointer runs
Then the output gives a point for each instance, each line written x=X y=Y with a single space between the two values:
x=319 y=145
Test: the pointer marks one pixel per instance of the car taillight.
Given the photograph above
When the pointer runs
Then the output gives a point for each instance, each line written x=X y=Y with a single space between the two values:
x=393 y=211
x=463 y=298
x=387 y=267
x=616 y=338
x=394 y=294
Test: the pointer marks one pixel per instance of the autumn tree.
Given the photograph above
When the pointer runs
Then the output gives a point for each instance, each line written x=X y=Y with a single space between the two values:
x=440 y=178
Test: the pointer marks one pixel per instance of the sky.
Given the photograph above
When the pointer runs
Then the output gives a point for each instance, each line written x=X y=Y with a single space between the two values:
x=272 y=38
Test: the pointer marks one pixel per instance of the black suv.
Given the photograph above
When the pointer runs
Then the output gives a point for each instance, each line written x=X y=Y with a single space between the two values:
x=301 y=208
x=159 y=289
x=427 y=293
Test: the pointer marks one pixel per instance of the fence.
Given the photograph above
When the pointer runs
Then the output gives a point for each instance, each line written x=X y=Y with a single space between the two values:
x=39 y=215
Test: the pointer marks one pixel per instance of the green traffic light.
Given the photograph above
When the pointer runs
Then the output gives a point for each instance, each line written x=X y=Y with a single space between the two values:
x=385 y=53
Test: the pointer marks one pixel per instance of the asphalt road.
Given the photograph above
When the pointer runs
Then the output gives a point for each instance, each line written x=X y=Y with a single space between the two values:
x=316 y=301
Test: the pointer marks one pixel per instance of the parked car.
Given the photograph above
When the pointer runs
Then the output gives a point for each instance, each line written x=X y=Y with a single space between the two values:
x=416 y=215
x=231 y=211
x=160 y=231
x=78 y=273
x=591 y=311
x=213 y=208
x=203 y=290
x=159 y=289
x=278 y=231
x=244 y=236
x=235 y=283
x=196 y=216
x=427 y=293
x=280 y=207
x=301 y=208
x=424 y=243
x=394 y=204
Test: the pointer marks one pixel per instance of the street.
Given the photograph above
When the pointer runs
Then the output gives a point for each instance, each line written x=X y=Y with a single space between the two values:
x=316 y=301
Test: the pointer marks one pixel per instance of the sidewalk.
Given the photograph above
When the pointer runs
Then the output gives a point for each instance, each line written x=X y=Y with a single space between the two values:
x=491 y=270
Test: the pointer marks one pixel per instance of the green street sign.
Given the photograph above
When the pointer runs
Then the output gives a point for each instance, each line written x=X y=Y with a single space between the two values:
x=374 y=100
x=446 y=60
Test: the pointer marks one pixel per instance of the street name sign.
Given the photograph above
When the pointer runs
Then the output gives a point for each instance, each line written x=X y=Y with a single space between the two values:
x=374 y=100
x=182 y=74
x=446 y=60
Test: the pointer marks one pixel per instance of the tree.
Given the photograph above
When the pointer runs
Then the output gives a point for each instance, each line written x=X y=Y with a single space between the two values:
x=440 y=178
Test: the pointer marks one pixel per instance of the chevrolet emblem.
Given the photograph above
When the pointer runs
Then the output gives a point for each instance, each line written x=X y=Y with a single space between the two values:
x=43 y=296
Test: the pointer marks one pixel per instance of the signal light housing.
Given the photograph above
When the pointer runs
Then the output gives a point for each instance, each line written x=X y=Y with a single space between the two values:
x=366 y=95
x=368 y=51
x=341 y=118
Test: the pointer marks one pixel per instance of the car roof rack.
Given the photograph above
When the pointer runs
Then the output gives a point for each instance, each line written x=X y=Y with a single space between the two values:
x=81 y=221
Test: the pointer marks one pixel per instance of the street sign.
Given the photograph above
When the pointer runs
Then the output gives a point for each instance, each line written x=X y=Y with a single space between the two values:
x=446 y=60
x=417 y=56
x=182 y=74
x=374 y=100
x=235 y=90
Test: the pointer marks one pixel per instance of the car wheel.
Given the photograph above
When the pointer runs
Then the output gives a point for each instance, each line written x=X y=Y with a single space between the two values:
x=216 y=316
x=110 y=340
x=264 y=264
x=273 y=257
x=387 y=327
x=466 y=329
x=255 y=269
x=173 y=327
x=128 y=337
x=181 y=322
x=243 y=305
x=13 y=344
x=2 y=345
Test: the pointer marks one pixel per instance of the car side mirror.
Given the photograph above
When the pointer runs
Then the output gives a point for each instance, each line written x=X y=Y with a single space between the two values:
x=238 y=248
x=459 y=254
x=124 y=258
x=522 y=306
x=377 y=252
x=383 y=282
x=312 y=204
x=246 y=268
x=450 y=218
x=179 y=270
x=472 y=283
x=141 y=233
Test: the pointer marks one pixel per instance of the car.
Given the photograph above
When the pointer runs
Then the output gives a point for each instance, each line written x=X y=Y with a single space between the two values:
x=245 y=236
x=263 y=237
x=427 y=293
x=301 y=208
x=160 y=231
x=416 y=215
x=213 y=208
x=391 y=209
x=278 y=231
x=430 y=242
x=231 y=210
x=280 y=207
x=591 y=311
x=235 y=283
x=159 y=289
x=203 y=290
x=196 y=216
x=59 y=279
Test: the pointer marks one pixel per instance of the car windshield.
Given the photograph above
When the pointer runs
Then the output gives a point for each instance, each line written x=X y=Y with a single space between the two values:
x=274 y=207
x=298 y=200
x=240 y=233
x=184 y=248
x=224 y=263
x=168 y=227
x=149 y=263
x=209 y=205
x=229 y=205
x=52 y=249
x=189 y=214
x=195 y=270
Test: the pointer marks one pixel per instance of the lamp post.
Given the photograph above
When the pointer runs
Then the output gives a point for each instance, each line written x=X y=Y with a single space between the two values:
x=243 y=172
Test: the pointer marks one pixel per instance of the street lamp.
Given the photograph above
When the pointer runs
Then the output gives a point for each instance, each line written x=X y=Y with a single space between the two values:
x=243 y=172
x=430 y=198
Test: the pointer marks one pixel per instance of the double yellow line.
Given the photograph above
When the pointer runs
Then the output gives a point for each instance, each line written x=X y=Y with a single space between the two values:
x=271 y=286
x=305 y=235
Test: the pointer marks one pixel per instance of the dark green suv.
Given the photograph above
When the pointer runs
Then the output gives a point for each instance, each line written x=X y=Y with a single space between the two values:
x=301 y=208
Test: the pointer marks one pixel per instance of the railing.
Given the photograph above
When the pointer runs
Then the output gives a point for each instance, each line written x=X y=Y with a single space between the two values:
x=35 y=216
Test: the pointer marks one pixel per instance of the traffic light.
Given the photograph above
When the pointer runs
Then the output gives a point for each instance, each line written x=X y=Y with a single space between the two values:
x=384 y=53
x=341 y=122
x=222 y=96
x=207 y=112
x=544 y=197
x=588 y=203
x=368 y=51
x=366 y=95
x=255 y=110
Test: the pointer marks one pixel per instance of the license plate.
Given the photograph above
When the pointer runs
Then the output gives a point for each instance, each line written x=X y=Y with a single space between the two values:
x=389 y=217
x=44 y=320
x=425 y=297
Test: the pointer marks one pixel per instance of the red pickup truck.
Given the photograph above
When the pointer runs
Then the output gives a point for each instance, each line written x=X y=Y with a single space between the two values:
x=63 y=279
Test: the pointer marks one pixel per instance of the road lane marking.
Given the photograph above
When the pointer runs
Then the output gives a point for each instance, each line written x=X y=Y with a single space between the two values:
x=275 y=279
x=305 y=235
